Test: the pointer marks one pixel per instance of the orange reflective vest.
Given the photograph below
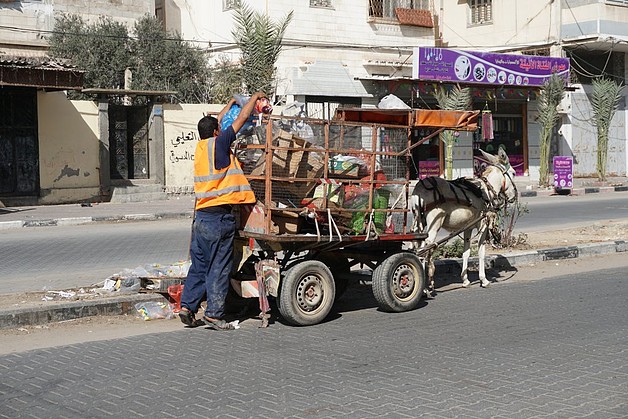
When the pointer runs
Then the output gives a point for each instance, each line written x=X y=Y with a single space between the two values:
x=218 y=187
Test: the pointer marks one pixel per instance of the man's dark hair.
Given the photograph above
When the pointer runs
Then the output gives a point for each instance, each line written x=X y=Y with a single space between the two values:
x=206 y=127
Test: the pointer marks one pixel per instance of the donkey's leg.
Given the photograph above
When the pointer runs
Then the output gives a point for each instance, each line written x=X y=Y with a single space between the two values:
x=482 y=254
x=465 y=257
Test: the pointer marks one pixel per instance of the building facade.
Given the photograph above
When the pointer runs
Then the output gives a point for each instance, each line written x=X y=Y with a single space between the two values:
x=592 y=34
x=328 y=46
x=41 y=159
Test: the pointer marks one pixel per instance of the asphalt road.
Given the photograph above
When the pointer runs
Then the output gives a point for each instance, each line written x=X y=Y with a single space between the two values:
x=38 y=258
x=522 y=348
x=555 y=212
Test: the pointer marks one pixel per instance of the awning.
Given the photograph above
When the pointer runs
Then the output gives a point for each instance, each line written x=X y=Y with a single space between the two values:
x=39 y=72
x=326 y=78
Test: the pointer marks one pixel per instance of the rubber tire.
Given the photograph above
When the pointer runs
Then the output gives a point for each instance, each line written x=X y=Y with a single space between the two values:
x=387 y=275
x=293 y=305
x=341 y=266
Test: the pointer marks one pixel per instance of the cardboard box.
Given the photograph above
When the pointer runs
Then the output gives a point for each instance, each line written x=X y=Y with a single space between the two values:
x=305 y=163
x=335 y=193
x=343 y=168
x=252 y=218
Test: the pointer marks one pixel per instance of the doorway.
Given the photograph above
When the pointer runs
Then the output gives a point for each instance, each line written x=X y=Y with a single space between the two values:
x=128 y=141
x=19 y=143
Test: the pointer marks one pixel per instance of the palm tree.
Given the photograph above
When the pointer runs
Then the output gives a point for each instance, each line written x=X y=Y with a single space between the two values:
x=260 y=40
x=551 y=95
x=458 y=99
x=604 y=101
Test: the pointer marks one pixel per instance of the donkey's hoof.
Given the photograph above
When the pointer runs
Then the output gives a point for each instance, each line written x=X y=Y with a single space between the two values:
x=466 y=283
x=485 y=284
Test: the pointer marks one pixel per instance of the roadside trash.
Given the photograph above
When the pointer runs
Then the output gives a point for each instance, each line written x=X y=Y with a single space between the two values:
x=152 y=310
x=59 y=295
x=175 y=291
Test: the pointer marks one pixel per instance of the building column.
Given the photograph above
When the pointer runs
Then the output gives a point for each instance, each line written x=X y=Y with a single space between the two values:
x=156 y=148
x=103 y=142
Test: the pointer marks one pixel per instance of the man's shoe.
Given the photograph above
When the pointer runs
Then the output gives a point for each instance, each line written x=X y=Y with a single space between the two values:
x=187 y=317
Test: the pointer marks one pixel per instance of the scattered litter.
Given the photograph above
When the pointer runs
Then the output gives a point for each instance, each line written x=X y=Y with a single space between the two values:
x=152 y=310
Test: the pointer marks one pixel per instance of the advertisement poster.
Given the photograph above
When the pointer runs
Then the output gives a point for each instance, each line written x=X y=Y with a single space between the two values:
x=428 y=168
x=444 y=64
x=563 y=172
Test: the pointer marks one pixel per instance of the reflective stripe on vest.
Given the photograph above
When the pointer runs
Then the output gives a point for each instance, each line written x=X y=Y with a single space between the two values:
x=218 y=187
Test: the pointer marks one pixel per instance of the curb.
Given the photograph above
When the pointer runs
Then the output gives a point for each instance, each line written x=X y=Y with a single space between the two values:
x=71 y=310
x=514 y=259
x=574 y=191
x=70 y=221
x=126 y=304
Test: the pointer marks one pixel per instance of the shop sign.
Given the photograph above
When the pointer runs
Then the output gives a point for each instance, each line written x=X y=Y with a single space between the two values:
x=563 y=172
x=428 y=168
x=444 y=64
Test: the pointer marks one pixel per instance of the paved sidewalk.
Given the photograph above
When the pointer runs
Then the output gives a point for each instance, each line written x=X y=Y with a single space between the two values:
x=75 y=214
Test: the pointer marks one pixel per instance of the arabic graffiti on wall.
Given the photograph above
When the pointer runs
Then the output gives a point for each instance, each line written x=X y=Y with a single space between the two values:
x=443 y=64
x=182 y=147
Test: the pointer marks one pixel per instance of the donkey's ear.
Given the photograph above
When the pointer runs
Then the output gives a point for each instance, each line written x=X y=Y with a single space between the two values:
x=491 y=158
x=502 y=156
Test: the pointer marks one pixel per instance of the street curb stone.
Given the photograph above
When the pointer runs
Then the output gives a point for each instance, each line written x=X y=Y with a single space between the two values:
x=71 y=310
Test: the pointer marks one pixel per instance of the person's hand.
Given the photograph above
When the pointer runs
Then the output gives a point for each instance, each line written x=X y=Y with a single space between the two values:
x=259 y=95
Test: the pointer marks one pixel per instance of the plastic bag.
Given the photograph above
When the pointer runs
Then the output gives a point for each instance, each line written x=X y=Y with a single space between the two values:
x=231 y=115
x=392 y=102
x=152 y=310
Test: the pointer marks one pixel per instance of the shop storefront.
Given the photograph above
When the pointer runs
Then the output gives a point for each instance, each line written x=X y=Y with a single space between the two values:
x=503 y=86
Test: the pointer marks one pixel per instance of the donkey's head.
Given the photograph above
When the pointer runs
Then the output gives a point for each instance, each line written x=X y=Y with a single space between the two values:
x=502 y=180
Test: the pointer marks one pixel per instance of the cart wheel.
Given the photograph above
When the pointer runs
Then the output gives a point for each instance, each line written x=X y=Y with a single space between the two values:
x=398 y=282
x=307 y=293
x=340 y=268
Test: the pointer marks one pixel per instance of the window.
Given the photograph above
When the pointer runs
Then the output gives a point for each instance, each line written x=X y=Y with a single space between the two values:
x=228 y=5
x=386 y=8
x=320 y=3
x=481 y=11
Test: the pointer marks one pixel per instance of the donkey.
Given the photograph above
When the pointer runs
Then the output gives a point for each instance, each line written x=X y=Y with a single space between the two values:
x=463 y=204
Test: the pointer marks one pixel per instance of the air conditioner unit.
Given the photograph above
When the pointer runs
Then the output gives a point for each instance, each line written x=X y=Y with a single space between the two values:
x=565 y=105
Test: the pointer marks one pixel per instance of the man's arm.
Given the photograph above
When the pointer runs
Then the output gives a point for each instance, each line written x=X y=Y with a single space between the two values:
x=224 y=110
x=245 y=112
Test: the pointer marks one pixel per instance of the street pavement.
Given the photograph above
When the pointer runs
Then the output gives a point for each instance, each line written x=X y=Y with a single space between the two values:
x=520 y=349
x=182 y=206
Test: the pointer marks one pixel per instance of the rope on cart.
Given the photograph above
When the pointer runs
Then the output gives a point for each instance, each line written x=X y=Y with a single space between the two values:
x=333 y=224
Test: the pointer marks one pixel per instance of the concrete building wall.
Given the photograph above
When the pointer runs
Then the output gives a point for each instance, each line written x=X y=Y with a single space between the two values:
x=25 y=25
x=342 y=34
x=180 y=138
x=584 y=140
x=515 y=23
x=68 y=149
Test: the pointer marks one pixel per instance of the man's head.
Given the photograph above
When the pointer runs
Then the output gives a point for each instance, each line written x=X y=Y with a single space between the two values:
x=208 y=127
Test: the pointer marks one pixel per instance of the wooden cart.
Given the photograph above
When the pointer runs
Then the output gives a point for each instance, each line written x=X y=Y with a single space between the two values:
x=332 y=195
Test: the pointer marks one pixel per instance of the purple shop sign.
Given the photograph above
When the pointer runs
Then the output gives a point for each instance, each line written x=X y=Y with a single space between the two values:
x=563 y=172
x=443 y=64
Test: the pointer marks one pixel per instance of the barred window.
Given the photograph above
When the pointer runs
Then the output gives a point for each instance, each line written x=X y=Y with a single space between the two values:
x=481 y=11
x=386 y=8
